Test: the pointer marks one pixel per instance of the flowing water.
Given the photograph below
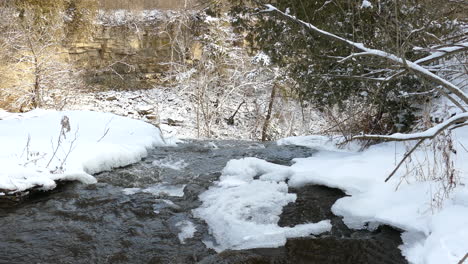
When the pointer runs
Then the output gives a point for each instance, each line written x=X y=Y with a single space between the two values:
x=136 y=214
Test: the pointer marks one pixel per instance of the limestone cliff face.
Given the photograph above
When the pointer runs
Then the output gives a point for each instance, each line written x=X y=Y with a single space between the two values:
x=146 y=4
x=142 y=50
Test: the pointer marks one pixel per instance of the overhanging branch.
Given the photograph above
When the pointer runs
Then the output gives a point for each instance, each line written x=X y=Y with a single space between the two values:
x=416 y=68
x=428 y=134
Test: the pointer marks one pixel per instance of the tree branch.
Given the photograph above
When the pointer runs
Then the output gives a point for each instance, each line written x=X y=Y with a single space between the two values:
x=379 y=53
x=428 y=134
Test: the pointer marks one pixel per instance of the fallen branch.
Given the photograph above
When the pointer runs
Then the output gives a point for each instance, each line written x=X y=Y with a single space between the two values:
x=428 y=134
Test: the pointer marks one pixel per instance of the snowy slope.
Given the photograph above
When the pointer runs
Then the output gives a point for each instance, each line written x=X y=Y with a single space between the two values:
x=434 y=233
x=94 y=142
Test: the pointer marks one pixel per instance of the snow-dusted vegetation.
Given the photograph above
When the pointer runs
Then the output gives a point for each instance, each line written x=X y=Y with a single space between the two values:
x=376 y=91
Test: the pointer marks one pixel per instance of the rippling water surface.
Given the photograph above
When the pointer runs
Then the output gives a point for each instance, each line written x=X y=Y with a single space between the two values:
x=142 y=214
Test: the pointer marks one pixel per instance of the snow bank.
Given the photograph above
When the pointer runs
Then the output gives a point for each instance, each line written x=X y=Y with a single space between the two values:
x=431 y=235
x=93 y=143
x=242 y=210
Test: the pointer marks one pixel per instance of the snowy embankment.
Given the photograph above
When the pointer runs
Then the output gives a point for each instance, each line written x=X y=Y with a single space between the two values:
x=434 y=233
x=41 y=147
x=242 y=209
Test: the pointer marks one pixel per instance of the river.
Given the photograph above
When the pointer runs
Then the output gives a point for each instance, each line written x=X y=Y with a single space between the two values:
x=134 y=215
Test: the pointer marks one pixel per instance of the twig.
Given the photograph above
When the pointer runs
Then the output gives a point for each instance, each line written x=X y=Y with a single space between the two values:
x=106 y=130
x=26 y=148
x=65 y=128
x=70 y=149
x=404 y=158
x=463 y=259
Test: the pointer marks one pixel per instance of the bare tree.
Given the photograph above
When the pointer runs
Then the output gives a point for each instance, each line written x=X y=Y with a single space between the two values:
x=34 y=53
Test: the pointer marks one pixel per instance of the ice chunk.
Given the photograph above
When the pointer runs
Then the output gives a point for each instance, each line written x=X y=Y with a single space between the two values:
x=243 y=212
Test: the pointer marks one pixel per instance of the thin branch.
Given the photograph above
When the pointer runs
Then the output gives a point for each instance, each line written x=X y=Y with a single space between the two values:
x=463 y=259
x=404 y=158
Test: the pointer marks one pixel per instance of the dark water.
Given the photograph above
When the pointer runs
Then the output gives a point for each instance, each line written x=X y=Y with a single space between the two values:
x=100 y=223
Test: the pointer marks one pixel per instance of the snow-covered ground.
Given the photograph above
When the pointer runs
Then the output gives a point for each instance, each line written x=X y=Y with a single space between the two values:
x=174 y=110
x=434 y=233
x=41 y=147
x=242 y=209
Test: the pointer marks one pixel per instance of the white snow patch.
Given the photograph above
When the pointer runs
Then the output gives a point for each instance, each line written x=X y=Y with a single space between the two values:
x=96 y=142
x=243 y=212
x=366 y=4
x=187 y=230
x=431 y=235
x=319 y=142
x=262 y=59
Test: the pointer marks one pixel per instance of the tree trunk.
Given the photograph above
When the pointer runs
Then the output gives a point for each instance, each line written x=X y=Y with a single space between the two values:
x=268 y=116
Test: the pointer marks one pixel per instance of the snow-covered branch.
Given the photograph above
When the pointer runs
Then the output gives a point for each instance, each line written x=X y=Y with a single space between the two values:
x=412 y=66
x=443 y=52
x=428 y=134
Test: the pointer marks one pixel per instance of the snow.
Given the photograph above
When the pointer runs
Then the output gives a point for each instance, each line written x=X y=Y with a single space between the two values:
x=318 y=142
x=177 y=104
x=121 y=17
x=432 y=234
x=242 y=209
x=95 y=142
x=187 y=230
x=440 y=52
x=366 y=4
x=262 y=58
